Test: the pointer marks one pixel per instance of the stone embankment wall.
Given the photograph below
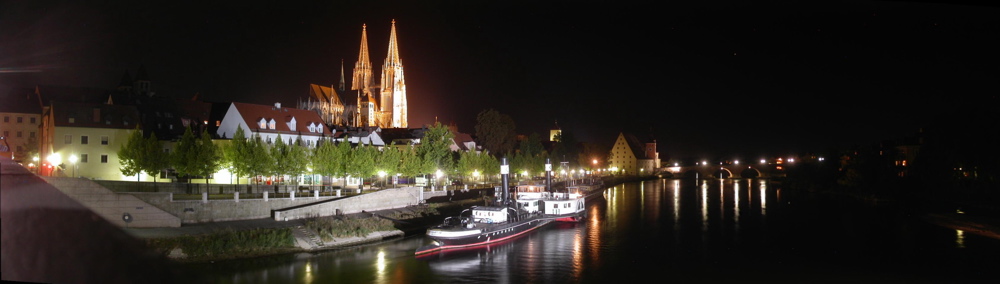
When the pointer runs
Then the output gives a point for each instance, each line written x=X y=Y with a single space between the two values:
x=112 y=206
x=199 y=211
x=379 y=200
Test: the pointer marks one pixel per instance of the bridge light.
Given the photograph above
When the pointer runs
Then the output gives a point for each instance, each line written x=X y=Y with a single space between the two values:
x=736 y=162
x=762 y=161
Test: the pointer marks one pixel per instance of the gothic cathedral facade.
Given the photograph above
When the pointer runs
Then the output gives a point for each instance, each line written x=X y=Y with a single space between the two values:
x=387 y=110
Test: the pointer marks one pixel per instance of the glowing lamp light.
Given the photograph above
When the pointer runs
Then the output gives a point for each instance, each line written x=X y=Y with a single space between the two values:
x=54 y=159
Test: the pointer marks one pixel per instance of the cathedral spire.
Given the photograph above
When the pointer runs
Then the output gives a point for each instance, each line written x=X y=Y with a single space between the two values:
x=392 y=59
x=340 y=87
x=393 y=85
x=363 y=68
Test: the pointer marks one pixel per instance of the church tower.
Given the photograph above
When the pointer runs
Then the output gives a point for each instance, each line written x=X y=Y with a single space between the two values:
x=367 y=114
x=393 y=86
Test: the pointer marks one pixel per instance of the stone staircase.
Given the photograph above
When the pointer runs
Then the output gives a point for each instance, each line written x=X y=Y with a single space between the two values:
x=306 y=239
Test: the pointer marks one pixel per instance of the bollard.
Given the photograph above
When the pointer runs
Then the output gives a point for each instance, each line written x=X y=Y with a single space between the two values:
x=316 y=194
x=236 y=196
x=171 y=196
x=265 y=196
x=338 y=193
x=293 y=195
x=204 y=197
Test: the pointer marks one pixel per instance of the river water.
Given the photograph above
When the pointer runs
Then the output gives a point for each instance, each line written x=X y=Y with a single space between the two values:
x=667 y=230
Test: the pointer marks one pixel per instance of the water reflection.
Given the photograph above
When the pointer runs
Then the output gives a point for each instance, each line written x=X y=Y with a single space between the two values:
x=960 y=238
x=687 y=230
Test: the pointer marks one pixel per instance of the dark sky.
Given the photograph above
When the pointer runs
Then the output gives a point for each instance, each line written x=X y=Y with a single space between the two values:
x=722 y=78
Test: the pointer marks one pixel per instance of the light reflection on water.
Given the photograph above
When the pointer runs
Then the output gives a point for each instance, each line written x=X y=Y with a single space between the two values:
x=682 y=230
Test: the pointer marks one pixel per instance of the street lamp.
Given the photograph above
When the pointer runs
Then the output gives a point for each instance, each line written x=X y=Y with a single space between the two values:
x=72 y=160
x=54 y=160
x=438 y=175
x=381 y=176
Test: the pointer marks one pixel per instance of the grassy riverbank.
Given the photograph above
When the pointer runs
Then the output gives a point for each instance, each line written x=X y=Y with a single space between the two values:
x=227 y=244
x=234 y=244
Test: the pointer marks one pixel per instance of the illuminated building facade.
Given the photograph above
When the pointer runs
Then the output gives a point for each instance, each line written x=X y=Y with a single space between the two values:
x=389 y=110
x=630 y=156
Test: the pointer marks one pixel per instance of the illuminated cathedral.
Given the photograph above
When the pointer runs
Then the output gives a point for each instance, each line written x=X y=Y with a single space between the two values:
x=386 y=110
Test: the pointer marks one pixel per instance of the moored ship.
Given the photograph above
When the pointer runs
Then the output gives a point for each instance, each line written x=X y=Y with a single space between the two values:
x=529 y=207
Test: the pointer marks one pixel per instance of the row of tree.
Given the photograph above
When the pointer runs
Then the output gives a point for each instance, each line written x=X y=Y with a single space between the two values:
x=249 y=156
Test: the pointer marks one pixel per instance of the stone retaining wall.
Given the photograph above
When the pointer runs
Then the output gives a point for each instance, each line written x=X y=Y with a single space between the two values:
x=379 y=200
x=198 y=211
x=112 y=206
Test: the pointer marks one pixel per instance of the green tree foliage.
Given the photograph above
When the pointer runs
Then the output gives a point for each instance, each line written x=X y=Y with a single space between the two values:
x=361 y=162
x=496 y=132
x=259 y=158
x=238 y=155
x=156 y=159
x=130 y=154
x=279 y=154
x=470 y=162
x=530 y=156
x=491 y=165
x=389 y=160
x=31 y=147
x=323 y=158
x=289 y=158
x=434 y=149
x=410 y=164
x=185 y=150
x=207 y=156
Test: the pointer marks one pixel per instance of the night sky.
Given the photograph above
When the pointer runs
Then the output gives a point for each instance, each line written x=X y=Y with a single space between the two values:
x=723 y=78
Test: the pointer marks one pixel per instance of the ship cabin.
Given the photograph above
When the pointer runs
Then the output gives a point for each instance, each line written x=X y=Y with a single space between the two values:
x=489 y=214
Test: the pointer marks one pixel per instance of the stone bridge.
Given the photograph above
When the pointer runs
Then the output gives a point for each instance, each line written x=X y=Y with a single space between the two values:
x=726 y=171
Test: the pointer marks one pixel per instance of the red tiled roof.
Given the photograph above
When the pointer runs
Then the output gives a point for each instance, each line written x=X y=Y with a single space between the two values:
x=253 y=113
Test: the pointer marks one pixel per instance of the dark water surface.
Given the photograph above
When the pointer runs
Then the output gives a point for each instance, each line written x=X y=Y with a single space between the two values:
x=669 y=231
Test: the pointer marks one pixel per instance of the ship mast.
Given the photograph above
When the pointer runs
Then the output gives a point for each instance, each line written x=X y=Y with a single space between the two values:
x=505 y=174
